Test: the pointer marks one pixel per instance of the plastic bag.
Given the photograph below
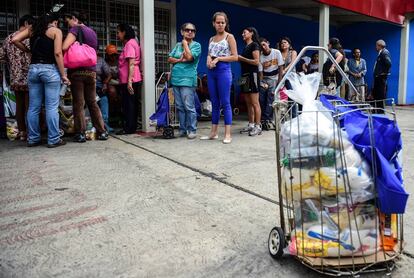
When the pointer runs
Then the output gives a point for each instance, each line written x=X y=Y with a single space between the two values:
x=206 y=107
x=355 y=234
x=9 y=98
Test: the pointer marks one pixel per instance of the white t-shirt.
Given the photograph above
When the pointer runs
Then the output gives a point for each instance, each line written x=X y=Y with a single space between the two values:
x=269 y=64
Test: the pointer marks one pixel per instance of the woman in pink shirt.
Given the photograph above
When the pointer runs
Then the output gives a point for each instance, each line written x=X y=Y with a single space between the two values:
x=129 y=77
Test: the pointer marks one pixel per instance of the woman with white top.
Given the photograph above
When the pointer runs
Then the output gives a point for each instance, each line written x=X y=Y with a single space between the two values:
x=222 y=50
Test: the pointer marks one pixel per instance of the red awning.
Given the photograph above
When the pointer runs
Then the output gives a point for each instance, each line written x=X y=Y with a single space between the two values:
x=388 y=10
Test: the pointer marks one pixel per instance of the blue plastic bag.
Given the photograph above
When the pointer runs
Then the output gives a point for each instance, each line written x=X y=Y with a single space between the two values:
x=392 y=197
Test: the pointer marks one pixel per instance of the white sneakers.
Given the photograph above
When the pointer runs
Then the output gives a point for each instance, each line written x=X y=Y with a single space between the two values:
x=257 y=130
x=192 y=135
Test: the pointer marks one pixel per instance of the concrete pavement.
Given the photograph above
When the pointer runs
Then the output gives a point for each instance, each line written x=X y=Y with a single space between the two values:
x=137 y=206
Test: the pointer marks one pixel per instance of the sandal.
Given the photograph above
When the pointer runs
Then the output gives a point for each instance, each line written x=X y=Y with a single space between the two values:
x=58 y=144
x=209 y=137
x=23 y=136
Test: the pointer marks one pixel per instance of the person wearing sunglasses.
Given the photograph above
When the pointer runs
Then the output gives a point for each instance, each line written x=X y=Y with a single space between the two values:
x=184 y=59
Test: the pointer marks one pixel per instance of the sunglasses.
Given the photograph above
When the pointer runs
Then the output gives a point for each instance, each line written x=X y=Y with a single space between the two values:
x=190 y=30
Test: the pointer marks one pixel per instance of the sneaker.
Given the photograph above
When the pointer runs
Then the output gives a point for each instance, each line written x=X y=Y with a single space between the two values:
x=79 y=138
x=34 y=144
x=182 y=134
x=248 y=128
x=265 y=126
x=103 y=136
x=192 y=135
x=257 y=130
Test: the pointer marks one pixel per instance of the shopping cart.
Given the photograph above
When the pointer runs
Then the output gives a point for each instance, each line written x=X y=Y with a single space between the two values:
x=330 y=208
x=165 y=117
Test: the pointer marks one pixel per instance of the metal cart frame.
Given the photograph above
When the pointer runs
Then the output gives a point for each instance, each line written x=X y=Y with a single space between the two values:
x=278 y=237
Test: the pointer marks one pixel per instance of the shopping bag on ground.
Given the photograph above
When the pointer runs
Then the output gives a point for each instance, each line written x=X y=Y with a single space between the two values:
x=9 y=98
x=160 y=117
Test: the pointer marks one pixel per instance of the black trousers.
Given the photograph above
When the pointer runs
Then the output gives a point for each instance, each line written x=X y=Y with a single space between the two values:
x=379 y=92
x=130 y=106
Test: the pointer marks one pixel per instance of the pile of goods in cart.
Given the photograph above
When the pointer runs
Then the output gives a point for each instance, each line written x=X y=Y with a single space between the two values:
x=341 y=176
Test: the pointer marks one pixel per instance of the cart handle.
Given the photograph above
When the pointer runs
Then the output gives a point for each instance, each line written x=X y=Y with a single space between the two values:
x=301 y=53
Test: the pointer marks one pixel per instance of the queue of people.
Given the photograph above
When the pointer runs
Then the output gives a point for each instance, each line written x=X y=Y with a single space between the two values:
x=36 y=57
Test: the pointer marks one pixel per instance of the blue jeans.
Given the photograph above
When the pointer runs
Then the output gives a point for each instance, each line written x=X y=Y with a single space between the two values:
x=44 y=83
x=185 y=104
x=266 y=98
x=104 y=106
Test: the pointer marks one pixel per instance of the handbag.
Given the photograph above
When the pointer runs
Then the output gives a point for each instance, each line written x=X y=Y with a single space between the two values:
x=79 y=54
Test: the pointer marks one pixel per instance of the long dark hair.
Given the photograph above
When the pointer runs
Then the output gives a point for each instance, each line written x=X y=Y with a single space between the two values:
x=285 y=39
x=336 y=44
x=129 y=32
x=26 y=19
x=255 y=36
x=41 y=25
x=82 y=17
x=223 y=14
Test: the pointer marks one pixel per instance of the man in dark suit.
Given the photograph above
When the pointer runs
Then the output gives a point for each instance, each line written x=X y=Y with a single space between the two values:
x=381 y=71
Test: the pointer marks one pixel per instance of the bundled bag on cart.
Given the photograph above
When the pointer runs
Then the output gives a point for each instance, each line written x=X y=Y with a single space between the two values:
x=328 y=181
x=160 y=117
x=319 y=159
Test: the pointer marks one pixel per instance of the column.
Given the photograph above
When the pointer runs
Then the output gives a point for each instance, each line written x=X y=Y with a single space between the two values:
x=323 y=32
x=146 y=15
x=173 y=22
x=402 y=82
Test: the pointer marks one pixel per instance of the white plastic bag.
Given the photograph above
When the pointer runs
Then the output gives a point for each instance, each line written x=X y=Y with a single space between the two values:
x=206 y=108
x=9 y=98
x=315 y=125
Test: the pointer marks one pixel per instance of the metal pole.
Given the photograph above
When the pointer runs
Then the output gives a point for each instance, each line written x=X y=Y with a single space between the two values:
x=301 y=53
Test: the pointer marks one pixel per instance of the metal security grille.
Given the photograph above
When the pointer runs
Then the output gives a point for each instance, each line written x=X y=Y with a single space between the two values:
x=120 y=12
x=162 y=39
x=8 y=18
x=95 y=10
x=104 y=16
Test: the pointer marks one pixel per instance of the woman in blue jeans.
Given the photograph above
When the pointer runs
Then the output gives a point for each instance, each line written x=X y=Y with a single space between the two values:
x=185 y=57
x=222 y=50
x=46 y=74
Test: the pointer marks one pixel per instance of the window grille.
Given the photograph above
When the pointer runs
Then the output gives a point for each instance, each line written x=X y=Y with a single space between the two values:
x=103 y=16
x=8 y=18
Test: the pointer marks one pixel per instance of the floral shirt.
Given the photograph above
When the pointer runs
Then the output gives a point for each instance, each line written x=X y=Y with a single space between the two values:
x=18 y=62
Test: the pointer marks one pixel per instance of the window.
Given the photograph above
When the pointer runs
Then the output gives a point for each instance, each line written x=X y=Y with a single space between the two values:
x=104 y=16
x=162 y=39
x=8 y=18
x=95 y=10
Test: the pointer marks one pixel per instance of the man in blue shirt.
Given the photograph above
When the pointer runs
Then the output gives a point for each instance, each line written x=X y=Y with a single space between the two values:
x=357 y=69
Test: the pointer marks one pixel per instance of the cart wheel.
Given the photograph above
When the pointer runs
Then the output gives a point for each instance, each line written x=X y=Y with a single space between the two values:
x=276 y=242
x=236 y=111
x=168 y=132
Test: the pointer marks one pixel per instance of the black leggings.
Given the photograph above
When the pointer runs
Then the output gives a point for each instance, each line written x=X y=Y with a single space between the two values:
x=130 y=106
